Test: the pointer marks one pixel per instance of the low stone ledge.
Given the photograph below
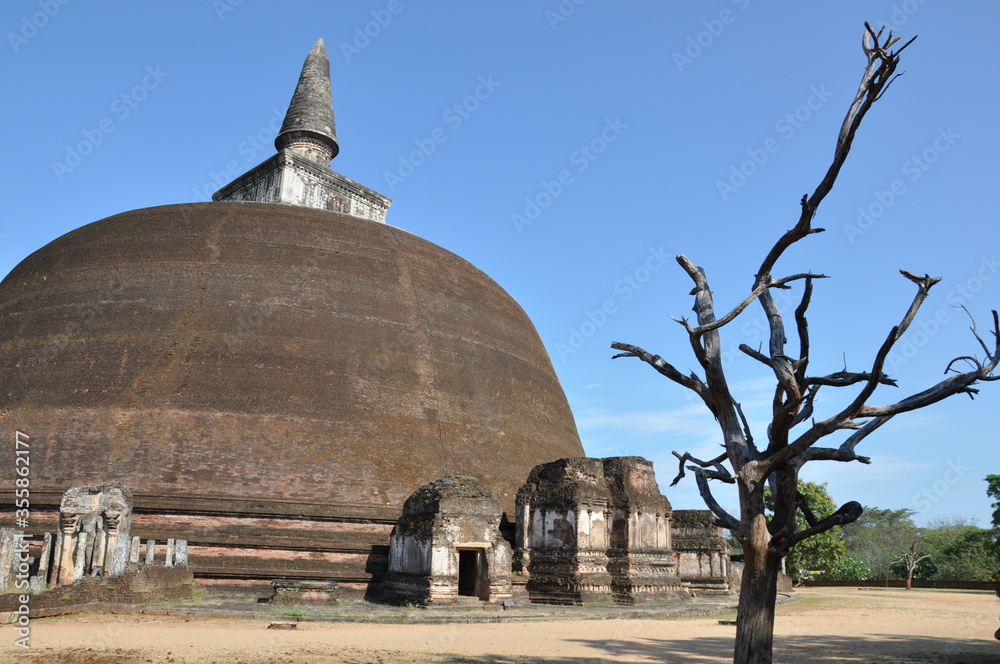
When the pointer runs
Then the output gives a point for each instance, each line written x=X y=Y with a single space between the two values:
x=296 y=591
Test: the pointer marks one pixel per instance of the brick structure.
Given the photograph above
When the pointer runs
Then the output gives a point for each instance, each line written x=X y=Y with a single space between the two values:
x=702 y=552
x=595 y=531
x=93 y=535
x=300 y=173
x=272 y=381
x=447 y=546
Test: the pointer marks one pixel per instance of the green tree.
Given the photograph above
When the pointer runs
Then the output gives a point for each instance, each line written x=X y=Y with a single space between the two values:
x=824 y=551
x=993 y=491
x=879 y=537
x=961 y=551
x=851 y=569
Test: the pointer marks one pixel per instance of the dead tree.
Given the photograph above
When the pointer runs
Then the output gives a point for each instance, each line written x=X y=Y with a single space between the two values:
x=794 y=432
x=910 y=560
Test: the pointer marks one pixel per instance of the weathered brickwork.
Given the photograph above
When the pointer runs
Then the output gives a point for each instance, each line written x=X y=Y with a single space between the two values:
x=447 y=545
x=595 y=530
x=702 y=552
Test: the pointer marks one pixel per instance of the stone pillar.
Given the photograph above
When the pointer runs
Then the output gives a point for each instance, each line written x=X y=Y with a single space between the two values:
x=181 y=553
x=97 y=558
x=150 y=548
x=8 y=543
x=168 y=561
x=81 y=555
x=67 y=545
x=133 y=551
x=112 y=519
x=104 y=513
x=46 y=560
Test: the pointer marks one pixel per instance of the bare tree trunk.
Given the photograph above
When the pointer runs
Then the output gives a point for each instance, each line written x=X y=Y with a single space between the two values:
x=758 y=591
x=909 y=579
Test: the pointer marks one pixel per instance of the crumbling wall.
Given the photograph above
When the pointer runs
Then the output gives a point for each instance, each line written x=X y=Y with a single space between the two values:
x=702 y=551
x=595 y=531
x=447 y=545
x=93 y=538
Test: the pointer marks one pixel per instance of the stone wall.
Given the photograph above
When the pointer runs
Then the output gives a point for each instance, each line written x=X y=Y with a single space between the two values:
x=447 y=545
x=702 y=551
x=595 y=531
x=292 y=179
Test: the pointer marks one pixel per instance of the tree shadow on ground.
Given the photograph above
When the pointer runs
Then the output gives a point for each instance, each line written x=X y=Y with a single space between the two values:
x=790 y=650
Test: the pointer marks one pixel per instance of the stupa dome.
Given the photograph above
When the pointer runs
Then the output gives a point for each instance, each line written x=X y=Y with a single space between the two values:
x=261 y=352
x=271 y=374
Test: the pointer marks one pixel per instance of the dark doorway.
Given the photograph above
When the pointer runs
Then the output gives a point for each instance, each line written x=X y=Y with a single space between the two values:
x=469 y=565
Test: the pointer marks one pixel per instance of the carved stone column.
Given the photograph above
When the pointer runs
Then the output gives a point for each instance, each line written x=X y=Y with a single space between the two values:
x=68 y=548
x=112 y=519
x=45 y=561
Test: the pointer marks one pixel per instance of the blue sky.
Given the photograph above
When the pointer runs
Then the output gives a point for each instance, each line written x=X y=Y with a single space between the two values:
x=570 y=150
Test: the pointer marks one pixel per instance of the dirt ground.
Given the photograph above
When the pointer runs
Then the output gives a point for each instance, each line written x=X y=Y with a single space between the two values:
x=826 y=625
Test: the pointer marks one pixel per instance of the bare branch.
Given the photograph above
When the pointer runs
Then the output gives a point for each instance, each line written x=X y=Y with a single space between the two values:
x=754 y=294
x=713 y=463
x=831 y=454
x=847 y=447
x=806 y=411
x=857 y=408
x=691 y=382
x=757 y=355
x=802 y=327
x=849 y=513
x=723 y=518
x=746 y=425
x=803 y=506
x=846 y=378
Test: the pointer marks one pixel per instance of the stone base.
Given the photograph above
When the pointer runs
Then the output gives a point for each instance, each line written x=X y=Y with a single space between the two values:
x=589 y=588
x=426 y=591
x=288 y=591
x=708 y=585
x=139 y=584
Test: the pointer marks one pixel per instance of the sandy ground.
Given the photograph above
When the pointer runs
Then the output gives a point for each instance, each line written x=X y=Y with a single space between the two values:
x=827 y=625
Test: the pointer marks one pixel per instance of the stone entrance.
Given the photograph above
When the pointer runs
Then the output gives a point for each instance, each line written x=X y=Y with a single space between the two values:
x=473 y=573
x=447 y=546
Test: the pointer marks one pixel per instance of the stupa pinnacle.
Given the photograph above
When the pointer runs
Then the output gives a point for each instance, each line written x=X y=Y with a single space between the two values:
x=300 y=173
x=309 y=128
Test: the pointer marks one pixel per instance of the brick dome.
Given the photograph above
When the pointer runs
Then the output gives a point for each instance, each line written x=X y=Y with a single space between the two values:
x=241 y=360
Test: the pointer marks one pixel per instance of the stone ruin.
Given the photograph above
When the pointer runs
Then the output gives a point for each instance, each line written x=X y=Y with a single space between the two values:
x=92 y=541
x=447 y=547
x=586 y=531
x=595 y=531
x=93 y=537
x=702 y=552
